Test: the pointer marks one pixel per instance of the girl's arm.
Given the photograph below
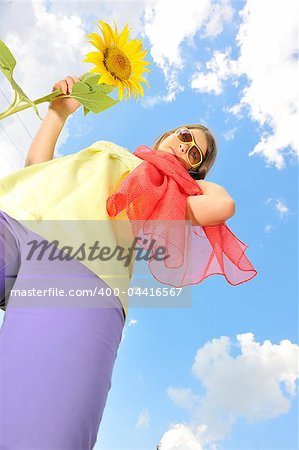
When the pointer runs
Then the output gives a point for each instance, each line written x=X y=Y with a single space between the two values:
x=213 y=207
x=43 y=145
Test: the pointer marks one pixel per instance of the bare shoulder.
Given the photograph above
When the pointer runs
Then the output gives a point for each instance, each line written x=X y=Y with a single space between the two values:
x=209 y=187
x=207 y=183
x=204 y=184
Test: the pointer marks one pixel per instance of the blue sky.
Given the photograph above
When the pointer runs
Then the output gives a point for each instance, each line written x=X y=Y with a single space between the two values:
x=220 y=375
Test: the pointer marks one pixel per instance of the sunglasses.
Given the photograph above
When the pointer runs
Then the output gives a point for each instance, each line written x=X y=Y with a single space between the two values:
x=194 y=153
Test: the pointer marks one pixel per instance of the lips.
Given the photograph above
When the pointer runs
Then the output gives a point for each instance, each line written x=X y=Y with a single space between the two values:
x=173 y=152
x=181 y=160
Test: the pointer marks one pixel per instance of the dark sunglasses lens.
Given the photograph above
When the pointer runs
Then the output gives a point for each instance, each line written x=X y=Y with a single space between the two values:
x=184 y=135
x=194 y=155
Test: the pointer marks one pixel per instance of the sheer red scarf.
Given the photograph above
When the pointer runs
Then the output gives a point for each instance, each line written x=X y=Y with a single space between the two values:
x=154 y=195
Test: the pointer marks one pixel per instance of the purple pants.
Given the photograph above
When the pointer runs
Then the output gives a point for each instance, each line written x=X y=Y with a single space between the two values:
x=55 y=362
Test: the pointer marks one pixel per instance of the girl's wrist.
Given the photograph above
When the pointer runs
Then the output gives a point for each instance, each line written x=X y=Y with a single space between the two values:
x=57 y=116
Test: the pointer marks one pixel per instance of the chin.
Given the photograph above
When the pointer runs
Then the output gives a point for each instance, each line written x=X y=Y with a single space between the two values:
x=164 y=150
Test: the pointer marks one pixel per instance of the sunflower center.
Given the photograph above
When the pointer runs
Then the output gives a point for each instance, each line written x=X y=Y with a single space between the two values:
x=117 y=63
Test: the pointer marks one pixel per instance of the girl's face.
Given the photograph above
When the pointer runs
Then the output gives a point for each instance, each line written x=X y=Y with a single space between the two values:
x=172 y=145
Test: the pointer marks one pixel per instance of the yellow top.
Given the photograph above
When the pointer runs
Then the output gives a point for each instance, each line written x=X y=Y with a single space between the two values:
x=71 y=188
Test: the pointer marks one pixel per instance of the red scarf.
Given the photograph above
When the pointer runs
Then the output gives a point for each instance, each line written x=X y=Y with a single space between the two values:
x=154 y=195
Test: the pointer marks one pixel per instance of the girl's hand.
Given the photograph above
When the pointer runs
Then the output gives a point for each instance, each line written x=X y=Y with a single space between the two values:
x=66 y=106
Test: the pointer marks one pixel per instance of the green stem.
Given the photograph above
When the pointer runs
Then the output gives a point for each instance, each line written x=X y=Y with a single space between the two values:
x=15 y=99
x=14 y=108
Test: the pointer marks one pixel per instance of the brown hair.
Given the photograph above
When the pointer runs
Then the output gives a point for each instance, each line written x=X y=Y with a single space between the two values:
x=210 y=155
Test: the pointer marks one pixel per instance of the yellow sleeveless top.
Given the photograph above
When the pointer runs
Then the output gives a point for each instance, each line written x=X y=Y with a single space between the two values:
x=73 y=190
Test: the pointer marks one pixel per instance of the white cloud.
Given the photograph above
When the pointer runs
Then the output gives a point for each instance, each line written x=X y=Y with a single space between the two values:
x=173 y=89
x=107 y=10
x=167 y=32
x=132 y=322
x=236 y=110
x=143 y=419
x=219 y=68
x=281 y=208
x=179 y=437
x=268 y=228
x=267 y=59
x=258 y=384
x=221 y=13
x=230 y=134
x=184 y=398
x=47 y=47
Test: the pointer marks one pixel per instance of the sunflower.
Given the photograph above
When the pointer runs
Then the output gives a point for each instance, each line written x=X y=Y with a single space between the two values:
x=118 y=60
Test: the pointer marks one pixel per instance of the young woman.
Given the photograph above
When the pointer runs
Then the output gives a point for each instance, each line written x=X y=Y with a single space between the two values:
x=56 y=362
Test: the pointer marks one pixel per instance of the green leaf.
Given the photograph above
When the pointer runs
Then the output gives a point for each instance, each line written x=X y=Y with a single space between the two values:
x=7 y=60
x=92 y=81
x=106 y=88
x=7 y=65
x=92 y=97
x=86 y=110
x=90 y=78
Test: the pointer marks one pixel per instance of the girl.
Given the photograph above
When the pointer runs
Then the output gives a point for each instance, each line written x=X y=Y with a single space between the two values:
x=56 y=363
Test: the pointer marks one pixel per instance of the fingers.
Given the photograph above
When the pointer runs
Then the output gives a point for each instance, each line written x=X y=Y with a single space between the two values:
x=66 y=85
x=70 y=83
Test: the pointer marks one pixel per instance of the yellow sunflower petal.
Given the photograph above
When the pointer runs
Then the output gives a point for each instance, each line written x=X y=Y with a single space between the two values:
x=143 y=80
x=139 y=72
x=113 y=48
x=136 y=65
x=129 y=93
x=107 y=33
x=142 y=54
x=93 y=57
x=135 y=87
x=145 y=63
x=136 y=62
x=138 y=43
x=128 y=48
x=97 y=41
x=100 y=68
x=120 y=91
x=141 y=91
x=124 y=36
x=132 y=48
x=128 y=88
x=94 y=70
x=107 y=78
x=115 y=32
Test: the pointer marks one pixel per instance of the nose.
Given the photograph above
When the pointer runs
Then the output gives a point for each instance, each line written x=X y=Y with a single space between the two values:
x=183 y=148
